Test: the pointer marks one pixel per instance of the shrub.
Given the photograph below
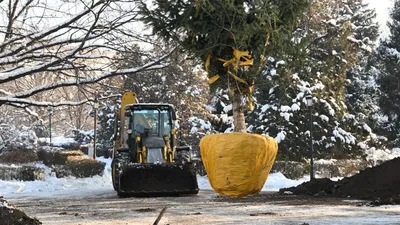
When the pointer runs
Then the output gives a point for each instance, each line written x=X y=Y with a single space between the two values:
x=68 y=146
x=50 y=158
x=351 y=167
x=86 y=167
x=71 y=153
x=19 y=156
x=100 y=150
x=82 y=136
x=80 y=167
x=25 y=173
x=84 y=149
x=326 y=169
x=290 y=169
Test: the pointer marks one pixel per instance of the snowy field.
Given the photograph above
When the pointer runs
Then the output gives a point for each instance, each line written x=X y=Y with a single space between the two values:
x=53 y=187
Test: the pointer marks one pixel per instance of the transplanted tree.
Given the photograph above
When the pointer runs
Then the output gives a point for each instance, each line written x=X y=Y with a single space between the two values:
x=231 y=36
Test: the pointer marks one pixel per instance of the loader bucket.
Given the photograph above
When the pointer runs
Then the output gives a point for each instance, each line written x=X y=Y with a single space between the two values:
x=158 y=179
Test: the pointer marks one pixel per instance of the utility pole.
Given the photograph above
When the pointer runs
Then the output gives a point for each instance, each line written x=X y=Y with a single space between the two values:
x=50 y=112
x=309 y=99
x=96 y=105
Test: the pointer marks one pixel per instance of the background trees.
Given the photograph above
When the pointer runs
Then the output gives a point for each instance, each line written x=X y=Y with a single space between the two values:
x=52 y=52
x=388 y=79
x=61 y=54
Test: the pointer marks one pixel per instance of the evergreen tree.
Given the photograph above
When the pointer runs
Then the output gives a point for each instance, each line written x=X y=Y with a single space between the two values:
x=106 y=118
x=388 y=55
x=362 y=91
x=329 y=42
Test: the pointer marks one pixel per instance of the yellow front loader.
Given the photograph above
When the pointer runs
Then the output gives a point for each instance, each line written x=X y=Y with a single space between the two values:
x=146 y=158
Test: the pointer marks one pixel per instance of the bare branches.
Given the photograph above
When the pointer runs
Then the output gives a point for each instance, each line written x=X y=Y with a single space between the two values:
x=57 y=42
x=23 y=103
x=65 y=43
x=149 y=66
x=12 y=101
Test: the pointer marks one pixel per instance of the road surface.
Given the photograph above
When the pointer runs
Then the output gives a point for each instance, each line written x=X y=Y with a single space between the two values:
x=205 y=208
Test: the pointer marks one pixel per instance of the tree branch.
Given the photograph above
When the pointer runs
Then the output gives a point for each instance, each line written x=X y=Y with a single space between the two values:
x=23 y=103
x=149 y=66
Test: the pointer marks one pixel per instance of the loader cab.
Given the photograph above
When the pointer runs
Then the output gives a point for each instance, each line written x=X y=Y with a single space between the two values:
x=151 y=122
x=151 y=137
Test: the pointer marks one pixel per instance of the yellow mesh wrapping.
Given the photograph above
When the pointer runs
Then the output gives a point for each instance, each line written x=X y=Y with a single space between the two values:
x=238 y=164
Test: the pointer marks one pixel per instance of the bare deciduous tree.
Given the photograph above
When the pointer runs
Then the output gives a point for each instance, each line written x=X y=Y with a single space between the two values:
x=63 y=43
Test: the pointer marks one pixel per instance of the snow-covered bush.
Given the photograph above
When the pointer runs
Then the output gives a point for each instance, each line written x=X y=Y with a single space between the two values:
x=25 y=173
x=83 y=136
x=12 y=137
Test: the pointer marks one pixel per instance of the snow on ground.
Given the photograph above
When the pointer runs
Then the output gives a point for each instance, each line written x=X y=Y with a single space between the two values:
x=57 y=141
x=99 y=185
x=59 y=187
x=277 y=181
x=274 y=182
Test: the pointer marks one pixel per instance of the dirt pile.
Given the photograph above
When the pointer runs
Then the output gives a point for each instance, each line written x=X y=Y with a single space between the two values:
x=12 y=216
x=380 y=184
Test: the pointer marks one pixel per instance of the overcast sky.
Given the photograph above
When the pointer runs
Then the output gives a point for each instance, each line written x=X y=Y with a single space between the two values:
x=382 y=9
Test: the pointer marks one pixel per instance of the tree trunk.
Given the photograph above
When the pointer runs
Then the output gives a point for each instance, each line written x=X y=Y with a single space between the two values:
x=238 y=113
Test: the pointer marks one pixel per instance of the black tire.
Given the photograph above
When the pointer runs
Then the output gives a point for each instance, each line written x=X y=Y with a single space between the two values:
x=122 y=194
x=114 y=178
x=122 y=157
x=183 y=156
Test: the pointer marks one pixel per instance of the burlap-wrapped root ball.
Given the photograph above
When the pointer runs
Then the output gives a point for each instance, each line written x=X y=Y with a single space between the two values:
x=238 y=164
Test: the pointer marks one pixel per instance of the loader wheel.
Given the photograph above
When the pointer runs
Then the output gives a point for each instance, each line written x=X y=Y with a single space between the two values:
x=113 y=176
x=114 y=179
x=183 y=156
x=122 y=194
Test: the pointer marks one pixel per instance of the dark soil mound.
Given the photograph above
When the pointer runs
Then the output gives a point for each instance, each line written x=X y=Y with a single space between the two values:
x=315 y=187
x=381 y=183
x=13 y=216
